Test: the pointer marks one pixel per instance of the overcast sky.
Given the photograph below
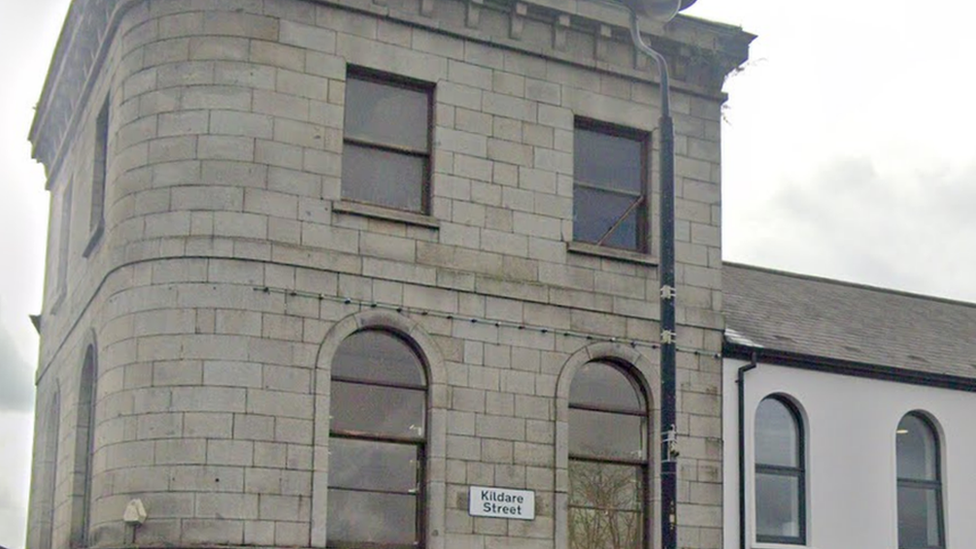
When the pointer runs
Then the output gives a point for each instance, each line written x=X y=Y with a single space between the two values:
x=848 y=153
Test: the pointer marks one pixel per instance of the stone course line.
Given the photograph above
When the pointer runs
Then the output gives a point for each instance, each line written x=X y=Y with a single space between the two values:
x=475 y=320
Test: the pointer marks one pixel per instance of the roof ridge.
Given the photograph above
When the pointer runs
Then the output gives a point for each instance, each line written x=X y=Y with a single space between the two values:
x=857 y=285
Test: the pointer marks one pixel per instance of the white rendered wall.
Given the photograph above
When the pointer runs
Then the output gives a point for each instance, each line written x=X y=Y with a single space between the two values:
x=850 y=427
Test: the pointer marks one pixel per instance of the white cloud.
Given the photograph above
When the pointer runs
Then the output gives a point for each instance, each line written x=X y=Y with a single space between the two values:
x=848 y=151
x=28 y=31
x=851 y=220
x=16 y=377
x=15 y=432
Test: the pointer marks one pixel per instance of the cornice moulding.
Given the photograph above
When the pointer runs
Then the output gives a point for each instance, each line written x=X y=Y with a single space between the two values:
x=696 y=45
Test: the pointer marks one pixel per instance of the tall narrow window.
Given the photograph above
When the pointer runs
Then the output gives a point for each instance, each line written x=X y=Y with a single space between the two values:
x=386 y=150
x=920 y=514
x=64 y=242
x=49 y=472
x=96 y=219
x=780 y=476
x=377 y=437
x=608 y=428
x=84 y=447
x=610 y=190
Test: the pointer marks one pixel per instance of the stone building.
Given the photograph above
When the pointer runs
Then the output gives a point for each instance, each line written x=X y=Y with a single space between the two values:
x=316 y=269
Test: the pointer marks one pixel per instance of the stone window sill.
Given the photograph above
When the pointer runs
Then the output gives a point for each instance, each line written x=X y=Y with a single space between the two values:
x=94 y=240
x=584 y=248
x=386 y=214
x=58 y=301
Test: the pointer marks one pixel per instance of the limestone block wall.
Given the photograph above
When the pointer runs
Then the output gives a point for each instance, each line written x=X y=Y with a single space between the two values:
x=229 y=267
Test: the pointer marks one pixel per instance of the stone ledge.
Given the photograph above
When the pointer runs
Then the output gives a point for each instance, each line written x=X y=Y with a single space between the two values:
x=386 y=214
x=584 y=248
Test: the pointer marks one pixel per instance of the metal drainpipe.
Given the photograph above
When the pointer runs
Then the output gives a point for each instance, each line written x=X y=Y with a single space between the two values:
x=669 y=432
x=741 y=381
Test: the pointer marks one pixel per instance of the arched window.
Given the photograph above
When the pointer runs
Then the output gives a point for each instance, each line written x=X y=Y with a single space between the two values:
x=49 y=471
x=608 y=433
x=919 y=485
x=780 y=475
x=84 y=448
x=377 y=414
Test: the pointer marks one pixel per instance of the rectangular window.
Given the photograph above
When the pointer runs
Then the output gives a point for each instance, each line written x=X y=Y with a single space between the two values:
x=96 y=219
x=610 y=192
x=386 y=142
x=64 y=242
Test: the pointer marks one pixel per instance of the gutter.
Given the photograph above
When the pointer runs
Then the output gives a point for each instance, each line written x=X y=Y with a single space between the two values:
x=849 y=368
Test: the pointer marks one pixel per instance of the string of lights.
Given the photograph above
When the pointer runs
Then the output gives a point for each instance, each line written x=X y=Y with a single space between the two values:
x=365 y=304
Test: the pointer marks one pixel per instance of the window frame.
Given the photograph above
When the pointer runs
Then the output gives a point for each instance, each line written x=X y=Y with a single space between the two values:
x=644 y=209
x=406 y=83
x=799 y=472
x=64 y=245
x=99 y=184
x=933 y=485
x=84 y=448
x=643 y=465
x=50 y=427
x=421 y=443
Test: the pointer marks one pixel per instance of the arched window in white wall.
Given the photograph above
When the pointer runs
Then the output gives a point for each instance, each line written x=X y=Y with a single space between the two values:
x=920 y=513
x=608 y=465
x=780 y=476
x=377 y=440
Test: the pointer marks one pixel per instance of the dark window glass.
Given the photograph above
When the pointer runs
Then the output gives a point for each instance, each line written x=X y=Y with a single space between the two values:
x=608 y=459
x=64 y=240
x=609 y=161
x=602 y=485
x=373 y=465
x=391 y=411
x=376 y=446
x=48 y=478
x=598 y=529
x=599 y=386
x=609 y=196
x=383 y=113
x=379 y=357
x=374 y=519
x=606 y=434
x=386 y=155
x=917 y=450
x=597 y=211
x=919 y=485
x=84 y=449
x=776 y=435
x=382 y=177
x=918 y=518
x=780 y=477
x=100 y=167
x=778 y=505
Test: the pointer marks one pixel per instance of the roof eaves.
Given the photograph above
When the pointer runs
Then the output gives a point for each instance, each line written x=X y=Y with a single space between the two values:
x=732 y=349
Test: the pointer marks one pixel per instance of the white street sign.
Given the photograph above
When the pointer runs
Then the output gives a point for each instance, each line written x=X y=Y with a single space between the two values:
x=501 y=503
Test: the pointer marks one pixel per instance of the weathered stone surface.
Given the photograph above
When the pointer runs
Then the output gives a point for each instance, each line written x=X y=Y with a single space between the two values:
x=228 y=259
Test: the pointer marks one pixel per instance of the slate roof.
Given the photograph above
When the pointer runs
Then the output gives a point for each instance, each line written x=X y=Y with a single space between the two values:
x=837 y=320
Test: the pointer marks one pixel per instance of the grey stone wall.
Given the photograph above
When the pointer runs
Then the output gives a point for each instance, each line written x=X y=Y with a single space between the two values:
x=224 y=179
